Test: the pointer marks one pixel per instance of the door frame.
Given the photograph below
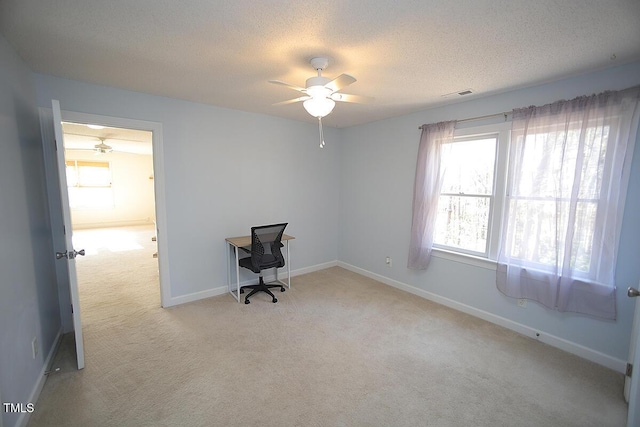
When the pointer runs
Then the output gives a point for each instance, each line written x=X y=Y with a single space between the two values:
x=633 y=345
x=632 y=384
x=158 y=182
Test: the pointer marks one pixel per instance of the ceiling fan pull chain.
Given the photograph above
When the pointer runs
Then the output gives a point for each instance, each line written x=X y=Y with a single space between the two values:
x=321 y=134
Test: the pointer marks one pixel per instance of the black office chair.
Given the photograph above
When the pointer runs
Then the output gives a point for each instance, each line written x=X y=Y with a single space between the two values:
x=266 y=242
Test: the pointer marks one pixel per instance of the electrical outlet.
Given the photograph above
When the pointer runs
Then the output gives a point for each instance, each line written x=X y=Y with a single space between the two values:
x=522 y=302
x=389 y=261
x=34 y=346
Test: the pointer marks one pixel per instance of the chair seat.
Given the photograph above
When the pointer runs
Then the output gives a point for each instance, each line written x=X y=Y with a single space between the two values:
x=268 y=261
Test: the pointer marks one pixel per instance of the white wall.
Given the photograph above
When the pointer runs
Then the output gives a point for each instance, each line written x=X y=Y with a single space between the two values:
x=225 y=171
x=378 y=163
x=132 y=191
x=28 y=292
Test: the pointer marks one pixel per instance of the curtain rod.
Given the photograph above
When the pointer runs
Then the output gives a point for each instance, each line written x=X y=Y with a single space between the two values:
x=488 y=116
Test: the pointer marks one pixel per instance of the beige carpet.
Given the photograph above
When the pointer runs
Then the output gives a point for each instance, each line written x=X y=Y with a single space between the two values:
x=338 y=349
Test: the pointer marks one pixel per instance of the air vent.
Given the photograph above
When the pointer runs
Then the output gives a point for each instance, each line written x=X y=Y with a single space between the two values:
x=463 y=92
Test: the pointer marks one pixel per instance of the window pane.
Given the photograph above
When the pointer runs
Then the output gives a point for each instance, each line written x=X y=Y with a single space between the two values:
x=538 y=225
x=94 y=174
x=468 y=166
x=552 y=164
x=90 y=198
x=593 y=164
x=549 y=161
x=72 y=174
x=462 y=222
x=535 y=220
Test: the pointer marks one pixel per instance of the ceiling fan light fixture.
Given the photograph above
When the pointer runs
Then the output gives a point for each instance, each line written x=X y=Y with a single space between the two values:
x=319 y=107
x=321 y=92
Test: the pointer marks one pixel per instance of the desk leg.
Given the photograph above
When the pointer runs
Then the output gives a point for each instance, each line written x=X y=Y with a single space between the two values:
x=228 y=257
x=229 y=248
x=288 y=267
x=237 y=273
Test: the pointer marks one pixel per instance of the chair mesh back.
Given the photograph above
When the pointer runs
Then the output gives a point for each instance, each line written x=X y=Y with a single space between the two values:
x=266 y=239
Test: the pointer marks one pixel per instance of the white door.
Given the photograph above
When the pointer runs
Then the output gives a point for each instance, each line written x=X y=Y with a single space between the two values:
x=633 y=383
x=68 y=254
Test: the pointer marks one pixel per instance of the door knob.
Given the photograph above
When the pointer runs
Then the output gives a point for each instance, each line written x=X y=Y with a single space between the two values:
x=73 y=254
x=633 y=292
x=70 y=254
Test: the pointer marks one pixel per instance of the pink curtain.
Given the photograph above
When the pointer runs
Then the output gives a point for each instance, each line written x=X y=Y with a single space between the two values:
x=426 y=191
x=568 y=172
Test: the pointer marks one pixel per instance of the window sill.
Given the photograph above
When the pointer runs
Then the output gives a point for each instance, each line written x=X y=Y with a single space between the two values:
x=465 y=258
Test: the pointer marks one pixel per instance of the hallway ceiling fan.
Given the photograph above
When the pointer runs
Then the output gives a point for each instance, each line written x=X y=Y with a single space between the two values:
x=102 y=148
x=320 y=93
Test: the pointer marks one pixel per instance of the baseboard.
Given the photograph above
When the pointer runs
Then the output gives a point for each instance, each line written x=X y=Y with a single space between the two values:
x=24 y=417
x=579 y=350
x=221 y=290
x=195 y=296
x=310 y=269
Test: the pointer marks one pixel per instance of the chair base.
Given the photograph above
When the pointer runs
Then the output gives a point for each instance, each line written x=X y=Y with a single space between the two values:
x=261 y=287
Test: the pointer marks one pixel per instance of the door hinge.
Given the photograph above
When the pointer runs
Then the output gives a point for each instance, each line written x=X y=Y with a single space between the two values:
x=629 y=370
x=71 y=308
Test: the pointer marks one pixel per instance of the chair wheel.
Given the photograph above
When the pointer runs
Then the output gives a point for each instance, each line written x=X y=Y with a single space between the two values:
x=247 y=301
x=275 y=300
x=282 y=289
x=242 y=290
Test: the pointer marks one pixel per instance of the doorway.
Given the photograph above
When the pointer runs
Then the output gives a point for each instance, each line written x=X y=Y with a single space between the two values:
x=55 y=170
x=110 y=182
x=111 y=135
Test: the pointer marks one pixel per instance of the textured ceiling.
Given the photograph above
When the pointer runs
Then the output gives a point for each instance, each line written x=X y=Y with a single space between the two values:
x=406 y=54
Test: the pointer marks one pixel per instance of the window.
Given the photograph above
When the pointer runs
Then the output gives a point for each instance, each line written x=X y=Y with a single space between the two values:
x=89 y=184
x=472 y=194
x=472 y=199
x=542 y=206
x=568 y=175
x=466 y=197
x=551 y=230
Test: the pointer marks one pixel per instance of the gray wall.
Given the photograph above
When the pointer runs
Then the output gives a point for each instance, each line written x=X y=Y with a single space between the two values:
x=225 y=170
x=377 y=172
x=28 y=292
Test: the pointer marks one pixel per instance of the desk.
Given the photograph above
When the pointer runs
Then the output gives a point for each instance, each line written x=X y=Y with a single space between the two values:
x=234 y=244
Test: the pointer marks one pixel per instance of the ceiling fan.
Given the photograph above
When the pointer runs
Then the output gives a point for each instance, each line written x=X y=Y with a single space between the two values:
x=102 y=148
x=321 y=92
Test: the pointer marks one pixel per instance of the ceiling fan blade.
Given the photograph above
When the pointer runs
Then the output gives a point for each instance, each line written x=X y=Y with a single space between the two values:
x=345 y=97
x=342 y=81
x=290 y=86
x=291 y=101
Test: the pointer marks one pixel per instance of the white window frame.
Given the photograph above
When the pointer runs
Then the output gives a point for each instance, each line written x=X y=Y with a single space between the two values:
x=589 y=274
x=502 y=132
x=79 y=185
x=77 y=166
